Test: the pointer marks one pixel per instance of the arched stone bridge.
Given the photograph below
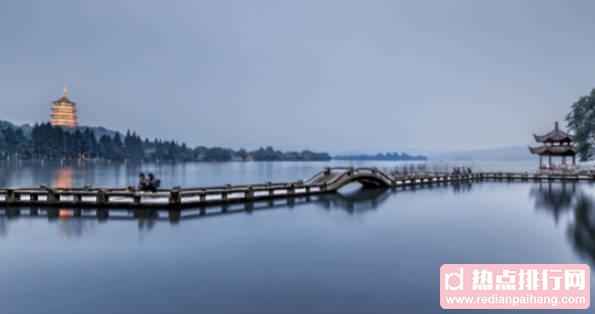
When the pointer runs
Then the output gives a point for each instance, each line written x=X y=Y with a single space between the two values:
x=337 y=177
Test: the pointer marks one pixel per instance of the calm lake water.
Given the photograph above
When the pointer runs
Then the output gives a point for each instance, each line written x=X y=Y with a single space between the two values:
x=359 y=251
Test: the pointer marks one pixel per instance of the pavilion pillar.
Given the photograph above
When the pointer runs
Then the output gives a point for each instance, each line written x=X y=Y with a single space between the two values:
x=573 y=160
x=564 y=160
x=540 y=162
x=550 y=161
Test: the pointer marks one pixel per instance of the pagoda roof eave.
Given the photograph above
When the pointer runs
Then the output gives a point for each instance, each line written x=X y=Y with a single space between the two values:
x=64 y=100
x=553 y=150
x=548 y=138
x=556 y=135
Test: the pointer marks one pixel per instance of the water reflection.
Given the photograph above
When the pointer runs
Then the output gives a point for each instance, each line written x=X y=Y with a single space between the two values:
x=358 y=201
x=582 y=230
x=75 y=227
x=75 y=222
x=3 y=226
x=461 y=187
x=63 y=178
x=146 y=218
x=560 y=198
x=554 y=197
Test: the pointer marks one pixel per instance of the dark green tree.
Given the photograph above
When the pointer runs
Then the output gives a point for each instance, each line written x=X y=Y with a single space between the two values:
x=105 y=144
x=133 y=146
x=45 y=141
x=581 y=120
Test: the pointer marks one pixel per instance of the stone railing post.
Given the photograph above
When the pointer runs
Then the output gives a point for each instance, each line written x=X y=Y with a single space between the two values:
x=249 y=194
x=136 y=198
x=175 y=198
x=10 y=196
x=102 y=197
x=52 y=196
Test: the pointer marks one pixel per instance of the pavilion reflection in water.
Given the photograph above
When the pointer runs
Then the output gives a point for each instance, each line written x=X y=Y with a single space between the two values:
x=561 y=198
x=554 y=197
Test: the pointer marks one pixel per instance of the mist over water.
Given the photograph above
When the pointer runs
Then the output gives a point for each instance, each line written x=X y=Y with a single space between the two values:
x=358 y=251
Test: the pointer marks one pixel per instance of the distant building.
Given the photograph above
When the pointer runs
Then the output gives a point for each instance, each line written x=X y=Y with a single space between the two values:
x=64 y=112
x=556 y=143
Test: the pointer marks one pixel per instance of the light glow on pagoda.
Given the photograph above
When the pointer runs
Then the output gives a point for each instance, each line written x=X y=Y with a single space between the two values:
x=64 y=112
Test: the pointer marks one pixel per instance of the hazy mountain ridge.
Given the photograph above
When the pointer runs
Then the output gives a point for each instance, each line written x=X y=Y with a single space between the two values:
x=6 y=124
x=502 y=153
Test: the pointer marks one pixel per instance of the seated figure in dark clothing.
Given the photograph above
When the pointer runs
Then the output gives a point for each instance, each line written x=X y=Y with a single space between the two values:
x=143 y=183
x=153 y=183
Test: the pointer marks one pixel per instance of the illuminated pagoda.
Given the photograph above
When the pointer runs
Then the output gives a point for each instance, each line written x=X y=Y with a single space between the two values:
x=556 y=143
x=64 y=112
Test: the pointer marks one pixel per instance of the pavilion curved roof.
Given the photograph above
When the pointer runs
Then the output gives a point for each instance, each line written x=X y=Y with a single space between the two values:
x=565 y=150
x=555 y=135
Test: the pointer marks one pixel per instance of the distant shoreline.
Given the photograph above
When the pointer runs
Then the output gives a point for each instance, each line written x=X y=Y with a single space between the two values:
x=45 y=142
x=382 y=157
x=118 y=161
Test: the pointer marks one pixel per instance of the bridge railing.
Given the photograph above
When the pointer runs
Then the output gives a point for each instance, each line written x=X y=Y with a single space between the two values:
x=348 y=172
x=378 y=172
x=326 y=171
x=98 y=196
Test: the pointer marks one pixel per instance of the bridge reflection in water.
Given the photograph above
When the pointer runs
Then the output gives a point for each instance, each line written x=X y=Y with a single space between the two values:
x=570 y=204
x=353 y=202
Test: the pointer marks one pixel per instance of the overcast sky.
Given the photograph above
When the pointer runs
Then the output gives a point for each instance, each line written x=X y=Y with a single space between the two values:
x=341 y=76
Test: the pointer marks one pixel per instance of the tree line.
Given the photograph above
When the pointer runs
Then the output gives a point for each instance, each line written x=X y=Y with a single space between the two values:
x=47 y=142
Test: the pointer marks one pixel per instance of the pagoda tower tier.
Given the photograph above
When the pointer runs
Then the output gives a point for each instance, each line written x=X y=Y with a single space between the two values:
x=64 y=112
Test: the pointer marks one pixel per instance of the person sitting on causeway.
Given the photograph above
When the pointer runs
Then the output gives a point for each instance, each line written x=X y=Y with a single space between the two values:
x=154 y=183
x=143 y=184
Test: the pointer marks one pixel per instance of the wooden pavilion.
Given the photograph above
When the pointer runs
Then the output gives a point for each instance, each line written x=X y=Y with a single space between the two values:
x=555 y=143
